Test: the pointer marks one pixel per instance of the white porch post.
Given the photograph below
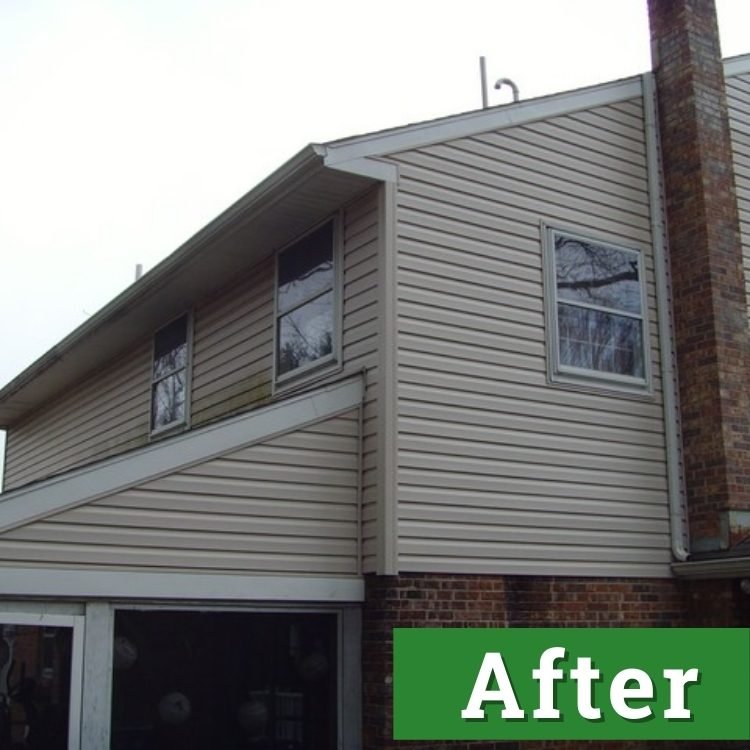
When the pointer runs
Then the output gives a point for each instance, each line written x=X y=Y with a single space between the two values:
x=97 y=677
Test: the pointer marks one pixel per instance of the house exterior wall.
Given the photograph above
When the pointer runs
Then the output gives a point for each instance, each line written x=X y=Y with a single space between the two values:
x=233 y=347
x=232 y=367
x=360 y=345
x=288 y=505
x=481 y=601
x=738 y=101
x=103 y=416
x=500 y=472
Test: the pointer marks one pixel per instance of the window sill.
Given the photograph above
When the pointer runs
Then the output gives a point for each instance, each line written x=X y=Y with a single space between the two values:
x=167 y=430
x=309 y=375
x=601 y=385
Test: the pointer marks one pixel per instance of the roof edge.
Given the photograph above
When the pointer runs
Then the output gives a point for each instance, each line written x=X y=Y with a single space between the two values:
x=737 y=65
x=302 y=163
x=420 y=134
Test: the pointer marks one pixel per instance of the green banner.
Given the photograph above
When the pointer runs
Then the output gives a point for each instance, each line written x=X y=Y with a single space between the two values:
x=583 y=684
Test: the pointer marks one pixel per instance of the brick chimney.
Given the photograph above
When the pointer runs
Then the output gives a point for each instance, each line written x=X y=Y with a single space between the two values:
x=708 y=283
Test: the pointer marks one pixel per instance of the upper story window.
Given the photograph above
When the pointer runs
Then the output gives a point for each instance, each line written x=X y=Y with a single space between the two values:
x=306 y=301
x=169 y=376
x=597 y=310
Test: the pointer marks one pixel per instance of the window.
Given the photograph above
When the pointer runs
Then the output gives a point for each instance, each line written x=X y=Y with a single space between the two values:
x=187 y=679
x=596 y=316
x=306 y=304
x=169 y=376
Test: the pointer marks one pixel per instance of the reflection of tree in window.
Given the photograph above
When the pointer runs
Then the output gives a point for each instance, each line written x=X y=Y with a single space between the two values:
x=599 y=307
x=305 y=301
x=169 y=375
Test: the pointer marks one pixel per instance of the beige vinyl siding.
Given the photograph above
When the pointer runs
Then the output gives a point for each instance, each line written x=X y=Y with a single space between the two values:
x=232 y=367
x=360 y=341
x=288 y=505
x=738 y=99
x=233 y=347
x=105 y=415
x=499 y=471
x=233 y=341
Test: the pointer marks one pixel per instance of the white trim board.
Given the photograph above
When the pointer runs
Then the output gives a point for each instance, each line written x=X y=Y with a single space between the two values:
x=479 y=121
x=116 y=584
x=737 y=65
x=122 y=472
x=366 y=167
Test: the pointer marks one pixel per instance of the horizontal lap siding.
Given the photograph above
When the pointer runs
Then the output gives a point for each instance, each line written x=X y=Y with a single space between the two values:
x=232 y=367
x=285 y=506
x=360 y=344
x=233 y=347
x=105 y=415
x=499 y=472
x=233 y=332
x=738 y=98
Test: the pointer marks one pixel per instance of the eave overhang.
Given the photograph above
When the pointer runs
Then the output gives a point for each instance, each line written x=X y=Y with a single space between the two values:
x=300 y=193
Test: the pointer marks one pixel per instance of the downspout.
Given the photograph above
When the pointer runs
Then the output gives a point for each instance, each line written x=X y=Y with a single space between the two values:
x=677 y=508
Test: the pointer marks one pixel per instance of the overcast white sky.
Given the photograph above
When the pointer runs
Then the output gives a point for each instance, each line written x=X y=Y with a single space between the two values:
x=126 y=125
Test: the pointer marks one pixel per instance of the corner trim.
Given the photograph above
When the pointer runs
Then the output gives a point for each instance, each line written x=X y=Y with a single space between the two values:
x=678 y=524
x=387 y=502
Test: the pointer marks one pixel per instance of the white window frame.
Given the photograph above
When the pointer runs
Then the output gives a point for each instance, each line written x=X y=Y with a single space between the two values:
x=76 y=623
x=324 y=365
x=183 y=423
x=567 y=374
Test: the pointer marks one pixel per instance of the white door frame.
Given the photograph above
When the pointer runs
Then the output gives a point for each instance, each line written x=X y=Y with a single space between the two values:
x=77 y=623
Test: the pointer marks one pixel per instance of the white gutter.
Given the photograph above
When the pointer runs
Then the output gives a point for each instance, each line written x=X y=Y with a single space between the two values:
x=677 y=507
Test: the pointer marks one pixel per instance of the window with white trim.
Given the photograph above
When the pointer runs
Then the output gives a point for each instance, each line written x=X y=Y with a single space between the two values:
x=169 y=376
x=306 y=302
x=596 y=310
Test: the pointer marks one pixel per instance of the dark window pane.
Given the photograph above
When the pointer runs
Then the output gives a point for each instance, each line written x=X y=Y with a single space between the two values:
x=170 y=347
x=306 y=269
x=593 y=274
x=305 y=334
x=595 y=340
x=35 y=663
x=168 y=403
x=197 y=680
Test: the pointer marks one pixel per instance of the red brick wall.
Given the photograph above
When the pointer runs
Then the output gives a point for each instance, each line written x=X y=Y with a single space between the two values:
x=710 y=310
x=425 y=600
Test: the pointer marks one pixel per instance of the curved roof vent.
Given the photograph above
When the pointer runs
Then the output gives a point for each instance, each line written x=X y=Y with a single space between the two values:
x=498 y=84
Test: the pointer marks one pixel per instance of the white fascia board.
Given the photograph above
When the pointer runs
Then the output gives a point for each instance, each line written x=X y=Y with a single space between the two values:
x=375 y=168
x=121 y=584
x=737 y=65
x=479 y=121
x=113 y=475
